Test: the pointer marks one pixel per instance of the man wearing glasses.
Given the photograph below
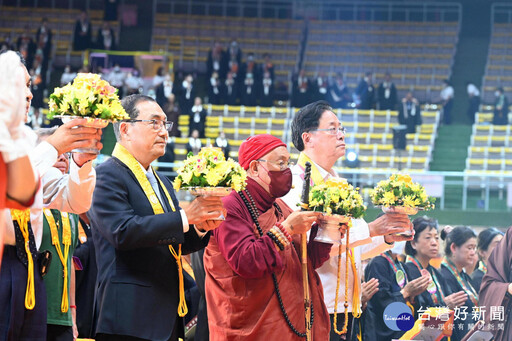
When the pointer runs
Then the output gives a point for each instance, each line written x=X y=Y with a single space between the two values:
x=319 y=136
x=140 y=230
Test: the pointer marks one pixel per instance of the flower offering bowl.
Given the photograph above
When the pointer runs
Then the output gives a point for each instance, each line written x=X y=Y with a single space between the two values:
x=210 y=191
x=401 y=210
x=329 y=228
x=92 y=122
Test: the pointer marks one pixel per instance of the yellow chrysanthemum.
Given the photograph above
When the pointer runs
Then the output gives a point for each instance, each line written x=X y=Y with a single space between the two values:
x=389 y=198
x=177 y=183
x=213 y=178
x=409 y=201
x=186 y=177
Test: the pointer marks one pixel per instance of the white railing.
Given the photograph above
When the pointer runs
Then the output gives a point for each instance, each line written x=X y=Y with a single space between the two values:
x=498 y=184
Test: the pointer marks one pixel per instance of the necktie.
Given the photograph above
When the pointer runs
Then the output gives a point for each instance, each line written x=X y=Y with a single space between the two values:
x=154 y=183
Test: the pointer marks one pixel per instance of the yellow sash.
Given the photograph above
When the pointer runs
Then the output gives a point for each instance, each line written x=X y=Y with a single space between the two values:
x=317 y=178
x=82 y=236
x=125 y=157
x=66 y=241
x=23 y=217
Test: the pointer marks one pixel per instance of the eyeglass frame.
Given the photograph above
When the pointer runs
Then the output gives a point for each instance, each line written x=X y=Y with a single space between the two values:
x=288 y=164
x=167 y=124
x=342 y=130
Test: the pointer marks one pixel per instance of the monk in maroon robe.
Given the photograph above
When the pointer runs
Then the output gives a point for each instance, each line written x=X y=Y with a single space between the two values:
x=496 y=290
x=243 y=260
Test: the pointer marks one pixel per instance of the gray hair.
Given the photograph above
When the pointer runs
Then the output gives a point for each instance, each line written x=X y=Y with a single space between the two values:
x=43 y=133
x=129 y=104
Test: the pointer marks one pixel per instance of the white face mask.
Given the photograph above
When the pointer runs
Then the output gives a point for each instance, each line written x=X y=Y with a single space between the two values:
x=117 y=69
x=497 y=93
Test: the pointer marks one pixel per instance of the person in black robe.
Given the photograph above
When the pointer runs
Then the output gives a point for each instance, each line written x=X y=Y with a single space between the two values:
x=172 y=111
x=106 y=38
x=249 y=92
x=409 y=113
x=339 y=94
x=387 y=96
x=500 y=108
x=496 y=289
x=250 y=66
x=423 y=248
x=486 y=241
x=44 y=41
x=217 y=61
x=474 y=101
x=27 y=47
x=194 y=143
x=222 y=142
x=214 y=89
x=267 y=66
x=234 y=54
x=82 y=34
x=394 y=286
x=267 y=90
x=301 y=90
x=197 y=120
x=85 y=279
x=321 y=87
x=186 y=93
x=365 y=92
x=230 y=90
x=460 y=248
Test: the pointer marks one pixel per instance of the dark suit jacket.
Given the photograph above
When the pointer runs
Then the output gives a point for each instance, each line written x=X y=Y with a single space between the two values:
x=137 y=287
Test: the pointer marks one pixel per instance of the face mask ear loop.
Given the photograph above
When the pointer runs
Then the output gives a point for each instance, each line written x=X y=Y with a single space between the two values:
x=268 y=184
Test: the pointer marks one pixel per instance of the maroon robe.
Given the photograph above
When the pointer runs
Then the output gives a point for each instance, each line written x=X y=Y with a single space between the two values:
x=494 y=289
x=241 y=300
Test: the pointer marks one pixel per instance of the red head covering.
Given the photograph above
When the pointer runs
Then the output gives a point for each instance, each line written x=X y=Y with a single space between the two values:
x=255 y=147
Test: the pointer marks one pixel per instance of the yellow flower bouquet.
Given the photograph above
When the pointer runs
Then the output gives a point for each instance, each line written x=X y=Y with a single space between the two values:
x=89 y=97
x=339 y=201
x=209 y=173
x=400 y=191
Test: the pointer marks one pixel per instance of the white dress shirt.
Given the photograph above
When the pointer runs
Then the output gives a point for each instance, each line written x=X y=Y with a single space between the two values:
x=67 y=193
x=447 y=93
x=359 y=238
x=473 y=90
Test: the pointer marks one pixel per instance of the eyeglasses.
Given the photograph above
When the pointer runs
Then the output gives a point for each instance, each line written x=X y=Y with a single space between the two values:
x=157 y=124
x=333 y=130
x=281 y=164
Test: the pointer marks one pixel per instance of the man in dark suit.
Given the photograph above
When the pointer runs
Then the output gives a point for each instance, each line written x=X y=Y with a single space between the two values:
x=387 y=95
x=137 y=222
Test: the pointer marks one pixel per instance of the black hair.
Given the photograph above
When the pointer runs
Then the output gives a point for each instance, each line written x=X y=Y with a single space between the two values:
x=307 y=119
x=420 y=224
x=458 y=236
x=129 y=104
x=486 y=236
